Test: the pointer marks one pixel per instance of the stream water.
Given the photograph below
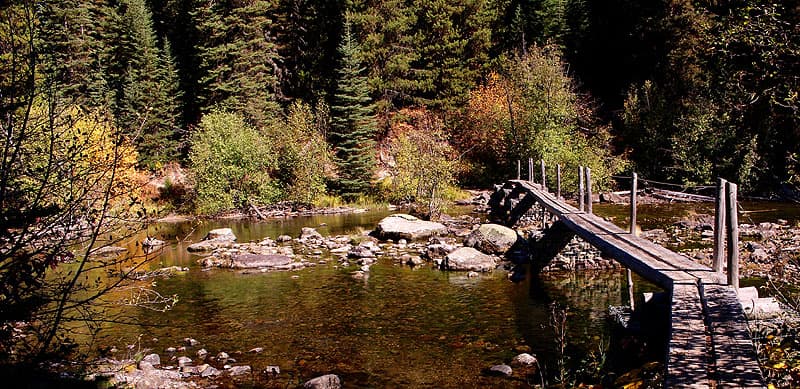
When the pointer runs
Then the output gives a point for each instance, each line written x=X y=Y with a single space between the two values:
x=398 y=327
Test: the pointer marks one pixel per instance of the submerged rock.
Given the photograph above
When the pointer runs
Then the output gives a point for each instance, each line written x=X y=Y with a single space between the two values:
x=467 y=258
x=329 y=381
x=403 y=226
x=256 y=261
x=492 y=239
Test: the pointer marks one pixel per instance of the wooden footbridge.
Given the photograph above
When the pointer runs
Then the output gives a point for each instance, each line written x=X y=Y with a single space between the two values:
x=709 y=343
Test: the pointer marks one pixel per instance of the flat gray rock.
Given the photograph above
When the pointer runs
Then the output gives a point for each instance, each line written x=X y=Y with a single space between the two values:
x=403 y=226
x=255 y=261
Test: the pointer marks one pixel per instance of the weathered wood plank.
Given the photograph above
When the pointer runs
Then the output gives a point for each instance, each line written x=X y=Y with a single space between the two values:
x=688 y=359
x=736 y=360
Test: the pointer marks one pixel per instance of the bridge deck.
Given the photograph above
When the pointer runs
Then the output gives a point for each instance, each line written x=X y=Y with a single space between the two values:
x=709 y=344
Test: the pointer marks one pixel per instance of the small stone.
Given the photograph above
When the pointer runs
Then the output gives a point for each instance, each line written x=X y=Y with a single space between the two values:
x=207 y=370
x=256 y=350
x=272 y=370
x=329 y=381
x=501 y=370
x=472 y=274
x=202 y=353
x=170 y=349
x=239 y=370
x=223 y=356
x=191 y=342
x=146 y=366
x=284 y=239
x=524 y=359
x=184 y=361
x=153 y=359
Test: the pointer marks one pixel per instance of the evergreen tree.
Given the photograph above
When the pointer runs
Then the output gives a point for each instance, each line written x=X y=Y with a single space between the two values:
x=388 y=48
x=307 y=40
x=74 y=53
x=352 y=123
x=147 y=98
x=239 y=58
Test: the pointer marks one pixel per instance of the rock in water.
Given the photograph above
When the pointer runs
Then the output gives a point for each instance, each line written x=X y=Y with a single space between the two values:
x=501 y=370
x=524 y=359
x=467 y=258
x=492 y=239
x=219 y=238
x=330 y=381
x=254 y=261
x=221 y=233
x=403 y=226
x=239 y=370
x=153 y=359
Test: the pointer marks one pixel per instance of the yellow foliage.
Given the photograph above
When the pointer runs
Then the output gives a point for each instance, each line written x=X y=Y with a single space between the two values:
x=77 y=154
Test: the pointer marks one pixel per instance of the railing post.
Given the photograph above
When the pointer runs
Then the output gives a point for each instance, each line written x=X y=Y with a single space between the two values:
x=558 y=181
x=519 y=167
x=630 y=288
x=581 y=203
x=588 y=189
x=719 y=227
x=733 y=235
x=544 y=177
x=634 y=188
x=530 y=170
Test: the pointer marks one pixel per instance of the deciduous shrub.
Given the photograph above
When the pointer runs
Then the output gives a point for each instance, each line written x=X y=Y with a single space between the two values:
x=233 y=164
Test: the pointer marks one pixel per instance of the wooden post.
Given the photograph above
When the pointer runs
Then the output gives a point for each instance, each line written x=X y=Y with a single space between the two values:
x=634 y=188
x=558 y=181
x=519 y=167
x=733 y=235
x=588 y=189
x=544 y=177
x=581 y=203
x=530 y=170
x=719 y=227
x=630 y=288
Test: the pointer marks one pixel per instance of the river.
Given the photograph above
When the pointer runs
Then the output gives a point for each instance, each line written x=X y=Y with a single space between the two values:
x=399 y=327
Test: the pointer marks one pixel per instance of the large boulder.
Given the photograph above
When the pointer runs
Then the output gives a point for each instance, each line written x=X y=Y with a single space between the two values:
x=468 y=259
x=492 y=239
x=403 y=226
x=255 y=261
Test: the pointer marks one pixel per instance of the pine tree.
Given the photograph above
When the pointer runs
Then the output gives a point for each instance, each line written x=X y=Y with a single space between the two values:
x=238 y=58
x=147 y=97
x=388 y=49
x=73 y=49
x=353 y=123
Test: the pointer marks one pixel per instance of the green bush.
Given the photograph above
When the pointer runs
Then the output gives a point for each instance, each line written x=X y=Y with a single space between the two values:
x=233 y=164
x=305 y=157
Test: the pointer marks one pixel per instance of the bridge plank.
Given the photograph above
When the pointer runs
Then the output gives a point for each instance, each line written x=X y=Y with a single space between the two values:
x=736 y=358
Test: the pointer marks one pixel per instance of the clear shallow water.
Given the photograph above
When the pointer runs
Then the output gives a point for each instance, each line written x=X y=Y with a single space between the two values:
x=399 y=327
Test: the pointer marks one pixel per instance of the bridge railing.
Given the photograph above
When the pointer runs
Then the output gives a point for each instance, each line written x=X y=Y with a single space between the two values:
x=726 y=224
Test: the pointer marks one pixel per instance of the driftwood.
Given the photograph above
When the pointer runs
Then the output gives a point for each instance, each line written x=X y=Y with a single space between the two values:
x=673 y=196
